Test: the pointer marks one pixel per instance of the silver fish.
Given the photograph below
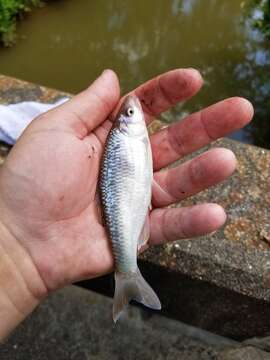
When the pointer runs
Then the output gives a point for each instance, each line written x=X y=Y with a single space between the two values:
x=125 y=184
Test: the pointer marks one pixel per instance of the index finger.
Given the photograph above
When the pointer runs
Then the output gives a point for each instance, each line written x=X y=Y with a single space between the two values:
x=164 y=91
x=159 y=94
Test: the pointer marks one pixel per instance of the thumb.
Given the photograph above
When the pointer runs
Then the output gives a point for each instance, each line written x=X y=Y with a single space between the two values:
x=93 y=105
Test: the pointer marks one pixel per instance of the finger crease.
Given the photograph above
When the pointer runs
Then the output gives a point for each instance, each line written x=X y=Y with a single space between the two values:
x=82 y=122
x=175 y=141
x=146 y=106
x=193 y=172
x=201 y=120
x=164 y=93
x=102 y=100
x=184 y=234
x=164 y=226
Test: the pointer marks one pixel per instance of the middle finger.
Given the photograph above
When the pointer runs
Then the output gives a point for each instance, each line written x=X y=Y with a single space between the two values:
x=199 y=129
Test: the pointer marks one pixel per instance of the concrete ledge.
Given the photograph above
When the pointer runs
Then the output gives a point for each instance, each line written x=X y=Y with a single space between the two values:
x=220 y=282
x=77 y=324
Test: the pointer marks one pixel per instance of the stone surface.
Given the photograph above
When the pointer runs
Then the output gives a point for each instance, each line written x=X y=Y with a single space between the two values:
x=236 y=257
x=77 y=324
x=219 y=282
x=245 y=353
x=14 y=90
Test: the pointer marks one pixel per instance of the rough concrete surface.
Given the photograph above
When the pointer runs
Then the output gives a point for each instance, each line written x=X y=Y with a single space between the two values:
x=77 y=324
x=245 y=353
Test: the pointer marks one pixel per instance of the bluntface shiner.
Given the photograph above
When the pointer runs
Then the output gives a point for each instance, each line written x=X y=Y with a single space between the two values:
x=125 y=184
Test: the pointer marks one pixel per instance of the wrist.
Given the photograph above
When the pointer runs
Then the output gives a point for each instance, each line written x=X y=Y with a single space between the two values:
x=21 y=287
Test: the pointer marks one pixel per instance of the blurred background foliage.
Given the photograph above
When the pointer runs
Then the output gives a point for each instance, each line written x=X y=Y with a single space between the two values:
x=10 y=10
x=260 y=10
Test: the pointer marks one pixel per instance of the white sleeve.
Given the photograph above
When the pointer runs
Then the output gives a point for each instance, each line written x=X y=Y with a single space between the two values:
x=14 y=118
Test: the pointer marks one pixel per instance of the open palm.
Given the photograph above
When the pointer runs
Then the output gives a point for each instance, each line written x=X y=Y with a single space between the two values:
x=48 y=184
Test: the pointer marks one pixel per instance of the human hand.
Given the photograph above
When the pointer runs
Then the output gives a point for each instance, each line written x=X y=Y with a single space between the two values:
x=48 y=183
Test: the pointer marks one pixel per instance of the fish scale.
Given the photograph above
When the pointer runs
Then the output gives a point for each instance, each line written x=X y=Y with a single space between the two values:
x=119 y=167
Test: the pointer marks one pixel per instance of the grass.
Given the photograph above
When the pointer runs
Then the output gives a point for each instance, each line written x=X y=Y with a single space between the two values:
x=10 y=11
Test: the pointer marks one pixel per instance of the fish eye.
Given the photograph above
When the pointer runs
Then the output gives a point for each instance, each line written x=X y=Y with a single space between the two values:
x=130 y=112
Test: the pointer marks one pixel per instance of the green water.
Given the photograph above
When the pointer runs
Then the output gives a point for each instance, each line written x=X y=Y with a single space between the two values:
x=67 y=43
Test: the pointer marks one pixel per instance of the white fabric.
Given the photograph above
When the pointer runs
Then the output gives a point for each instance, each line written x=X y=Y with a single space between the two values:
x=15 y=117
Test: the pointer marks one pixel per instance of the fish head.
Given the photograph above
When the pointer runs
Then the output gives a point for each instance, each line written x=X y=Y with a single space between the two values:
x=130 y=119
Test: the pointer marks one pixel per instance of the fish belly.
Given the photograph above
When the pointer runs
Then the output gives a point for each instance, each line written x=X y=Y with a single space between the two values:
x=126 y=180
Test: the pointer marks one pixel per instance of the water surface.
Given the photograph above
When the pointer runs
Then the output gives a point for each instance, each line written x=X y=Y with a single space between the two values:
x=68 y=43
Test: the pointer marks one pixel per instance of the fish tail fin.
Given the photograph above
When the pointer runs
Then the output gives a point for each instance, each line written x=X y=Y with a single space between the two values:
x=132 y=286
